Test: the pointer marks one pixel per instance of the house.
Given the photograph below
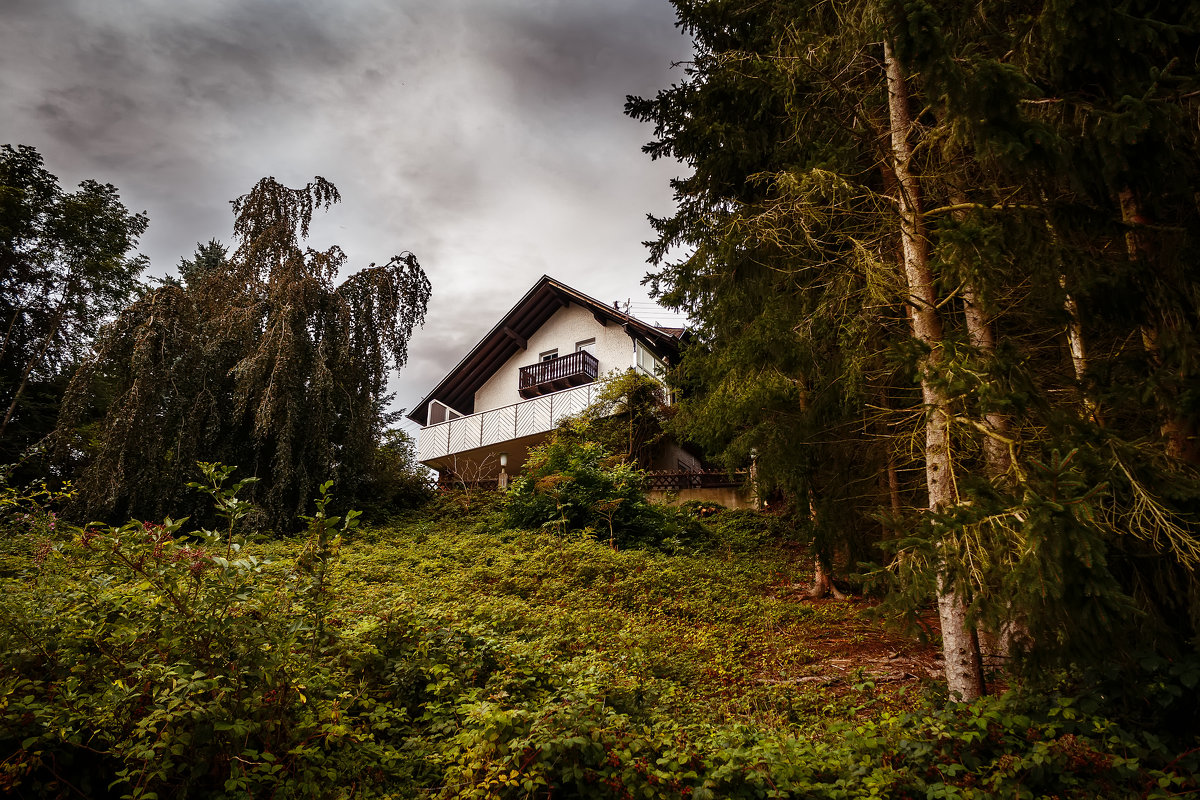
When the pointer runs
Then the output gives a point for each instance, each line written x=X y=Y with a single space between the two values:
x=541 y=362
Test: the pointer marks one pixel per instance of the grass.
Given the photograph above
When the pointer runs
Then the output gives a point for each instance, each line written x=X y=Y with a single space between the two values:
x=719 y=635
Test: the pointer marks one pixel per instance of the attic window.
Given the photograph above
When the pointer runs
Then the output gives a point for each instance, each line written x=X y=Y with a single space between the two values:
x=586 y=346
x=549 y=355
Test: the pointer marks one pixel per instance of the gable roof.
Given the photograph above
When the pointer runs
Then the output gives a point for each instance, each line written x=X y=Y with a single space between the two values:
x=512 y=332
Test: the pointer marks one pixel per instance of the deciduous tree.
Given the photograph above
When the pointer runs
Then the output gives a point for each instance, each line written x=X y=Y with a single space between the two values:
x=66 y=266
x=261 y=359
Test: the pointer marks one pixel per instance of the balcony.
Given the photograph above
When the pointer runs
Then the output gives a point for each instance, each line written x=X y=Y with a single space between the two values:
x=564 y=372
x=499 y=426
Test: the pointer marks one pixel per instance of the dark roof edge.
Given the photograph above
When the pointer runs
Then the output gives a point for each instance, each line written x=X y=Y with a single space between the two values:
x=657 y=335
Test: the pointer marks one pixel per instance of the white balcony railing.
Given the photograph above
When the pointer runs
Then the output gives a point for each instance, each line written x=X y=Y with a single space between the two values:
x=537 y=415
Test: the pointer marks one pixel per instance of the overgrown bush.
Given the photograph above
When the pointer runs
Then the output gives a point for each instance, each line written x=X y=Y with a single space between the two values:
x=141 y=661
x=394 y=482
x=574 y=484
x=465 y=660
x=575 y=743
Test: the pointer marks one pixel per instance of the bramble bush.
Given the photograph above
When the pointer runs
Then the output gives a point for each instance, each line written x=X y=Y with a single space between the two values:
x=143 y=661
x=457 y=659
x=575 y=743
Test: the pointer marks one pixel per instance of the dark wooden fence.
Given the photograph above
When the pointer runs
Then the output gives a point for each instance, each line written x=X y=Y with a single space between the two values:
x=450 y=483
x=669 y=481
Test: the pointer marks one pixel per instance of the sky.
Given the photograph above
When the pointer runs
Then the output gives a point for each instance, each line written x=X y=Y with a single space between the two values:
x=485 y=136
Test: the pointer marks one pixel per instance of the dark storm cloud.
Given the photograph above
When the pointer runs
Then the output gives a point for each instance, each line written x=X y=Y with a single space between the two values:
x=484 y=135
x=577 y=55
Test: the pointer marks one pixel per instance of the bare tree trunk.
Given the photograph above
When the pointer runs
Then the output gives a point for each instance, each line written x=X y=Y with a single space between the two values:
x=822 y=585
x=1078 y=346
x=996 y=455
x=997 y=460
x=893 y=479
x=1076 y=342
x=1182 y=439
x=8 y=334
x=959 y=644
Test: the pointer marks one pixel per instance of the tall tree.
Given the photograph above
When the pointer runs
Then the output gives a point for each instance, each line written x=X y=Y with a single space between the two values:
x=891 y=191
x=258 y=359
x=66 y=266
x=774 y=284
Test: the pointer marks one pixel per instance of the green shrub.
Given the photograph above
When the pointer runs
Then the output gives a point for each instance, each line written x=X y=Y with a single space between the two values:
x=573 y=484
x=465 y=660
x=394 y=482
x=146 y=662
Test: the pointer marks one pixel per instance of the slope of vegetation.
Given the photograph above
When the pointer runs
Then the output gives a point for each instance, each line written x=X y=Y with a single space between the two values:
x=445 y=655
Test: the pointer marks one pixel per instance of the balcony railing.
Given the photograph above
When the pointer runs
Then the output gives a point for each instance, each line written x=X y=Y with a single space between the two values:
x=526 y=418
x=564 y=372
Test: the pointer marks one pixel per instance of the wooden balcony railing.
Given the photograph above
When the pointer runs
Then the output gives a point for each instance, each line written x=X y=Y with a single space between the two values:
x=574 y=369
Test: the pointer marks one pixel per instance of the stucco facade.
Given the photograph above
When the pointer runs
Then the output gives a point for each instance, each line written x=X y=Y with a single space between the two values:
x=564 y=330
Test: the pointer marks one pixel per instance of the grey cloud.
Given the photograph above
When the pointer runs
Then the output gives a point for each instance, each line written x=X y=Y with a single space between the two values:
x=484 y=135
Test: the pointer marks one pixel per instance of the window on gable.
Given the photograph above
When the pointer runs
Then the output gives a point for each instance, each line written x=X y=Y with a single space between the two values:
x=549 y=355
x=586 y=346
x=649 y=363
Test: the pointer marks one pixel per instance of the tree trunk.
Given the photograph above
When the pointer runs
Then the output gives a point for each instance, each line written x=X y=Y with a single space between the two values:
x=8 y=334
x=1182 y=441
x=996 y=454
x=959 y=645
x=822 y=585
x=1078 y=346
x=33 y=362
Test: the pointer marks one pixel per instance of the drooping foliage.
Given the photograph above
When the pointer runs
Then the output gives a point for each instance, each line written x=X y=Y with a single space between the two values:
x=66 y=267
x=258 y=359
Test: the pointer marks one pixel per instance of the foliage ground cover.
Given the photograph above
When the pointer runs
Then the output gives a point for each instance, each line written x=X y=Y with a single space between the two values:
x=446 y=655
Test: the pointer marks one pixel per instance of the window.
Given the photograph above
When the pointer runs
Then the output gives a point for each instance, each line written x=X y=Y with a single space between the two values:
x=549 y=355
x=586 y=346
x=649 y=363
x=440 y=412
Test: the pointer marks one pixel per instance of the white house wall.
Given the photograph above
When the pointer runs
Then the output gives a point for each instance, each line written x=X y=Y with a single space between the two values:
x=568 y=325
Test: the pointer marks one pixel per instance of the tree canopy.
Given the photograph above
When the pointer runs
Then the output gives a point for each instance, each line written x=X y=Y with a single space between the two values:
x=941 y=254
x=258 y=358
x=66 y=267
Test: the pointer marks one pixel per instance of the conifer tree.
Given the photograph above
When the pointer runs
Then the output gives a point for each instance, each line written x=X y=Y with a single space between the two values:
x=926 y=149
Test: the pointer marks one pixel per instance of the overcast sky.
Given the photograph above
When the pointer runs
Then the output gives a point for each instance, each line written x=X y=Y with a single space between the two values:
x=486 y=136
